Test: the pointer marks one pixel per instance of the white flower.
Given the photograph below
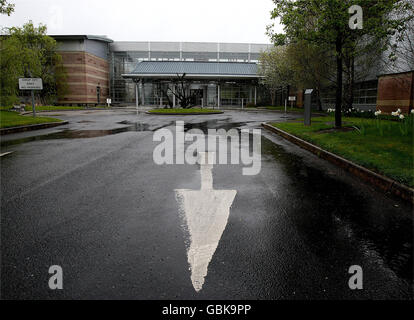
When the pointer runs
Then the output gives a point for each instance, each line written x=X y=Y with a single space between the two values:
x=412 y=111
x=394 y=114
x=399 y=110
x=401 y=116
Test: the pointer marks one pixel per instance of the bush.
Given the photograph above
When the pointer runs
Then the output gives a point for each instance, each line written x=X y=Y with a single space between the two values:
x=250 y=105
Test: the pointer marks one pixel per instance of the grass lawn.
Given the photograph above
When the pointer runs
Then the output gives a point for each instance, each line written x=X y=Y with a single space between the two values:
x=288 y=109
x=53 y=108
x=60 y=108
x=13 y=119
x=390 y=154
x=184 y=111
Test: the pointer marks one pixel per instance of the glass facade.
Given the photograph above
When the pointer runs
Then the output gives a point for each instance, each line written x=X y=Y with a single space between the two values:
x=125 y=56
x=365 y=95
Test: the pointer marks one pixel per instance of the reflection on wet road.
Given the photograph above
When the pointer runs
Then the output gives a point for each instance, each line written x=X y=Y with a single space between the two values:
x=108 y=215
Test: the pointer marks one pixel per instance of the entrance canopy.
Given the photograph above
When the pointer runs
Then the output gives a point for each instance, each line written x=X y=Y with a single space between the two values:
x=194 y=70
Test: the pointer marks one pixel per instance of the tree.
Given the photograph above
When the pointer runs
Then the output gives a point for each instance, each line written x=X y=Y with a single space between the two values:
x=327 y=23
x=181 y=91
x=402 y=54
x=6 y=7
x=362 y=61
x=28 y=52
x=312 y=67
x=275 y=70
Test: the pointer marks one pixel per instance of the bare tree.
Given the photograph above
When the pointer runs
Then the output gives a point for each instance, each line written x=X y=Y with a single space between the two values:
x=182 y=91
x=402 y=51
x=274 y=68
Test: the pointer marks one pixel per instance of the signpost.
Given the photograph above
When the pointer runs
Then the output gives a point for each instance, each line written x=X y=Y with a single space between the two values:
x=31 y=84
x=292 y=99
x=308 y=106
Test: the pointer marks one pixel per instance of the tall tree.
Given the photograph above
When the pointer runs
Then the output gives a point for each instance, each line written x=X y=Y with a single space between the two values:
x=402 y=55
x=29 y=52
x=327 y=23
x=6 y=7
x=312 y=67
x=275 y=70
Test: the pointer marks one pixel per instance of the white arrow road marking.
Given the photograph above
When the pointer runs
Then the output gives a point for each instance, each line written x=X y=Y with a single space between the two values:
x=5 y=154
x=206 y=213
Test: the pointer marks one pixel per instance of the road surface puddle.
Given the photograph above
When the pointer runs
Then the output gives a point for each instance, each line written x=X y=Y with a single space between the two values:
x=84 y=134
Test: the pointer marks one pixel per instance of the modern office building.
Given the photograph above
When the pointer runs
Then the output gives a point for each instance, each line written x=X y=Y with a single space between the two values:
x=216 y=74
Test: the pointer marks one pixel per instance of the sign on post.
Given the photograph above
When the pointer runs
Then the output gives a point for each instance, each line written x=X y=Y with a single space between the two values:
x=30 y=84
x=308 y=106
x=292 y=99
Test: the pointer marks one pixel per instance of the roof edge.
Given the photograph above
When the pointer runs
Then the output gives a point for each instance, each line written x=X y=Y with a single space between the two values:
x=82 y=37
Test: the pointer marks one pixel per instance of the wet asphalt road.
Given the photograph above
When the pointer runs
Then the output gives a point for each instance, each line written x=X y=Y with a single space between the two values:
x=88 y=197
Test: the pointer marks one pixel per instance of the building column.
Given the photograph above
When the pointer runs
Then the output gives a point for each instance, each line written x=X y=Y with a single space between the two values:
x=143 y=92
x=218 y=96
x=173 y=95
x=205 y=88
x=255 y=95
x=136 y=94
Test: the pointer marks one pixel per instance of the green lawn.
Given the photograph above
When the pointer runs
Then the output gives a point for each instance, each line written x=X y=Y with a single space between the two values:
x=13 y=119
x=183 y=111
x=288 y=109
x=54 y=108
x=60 y=108
x=390 y=152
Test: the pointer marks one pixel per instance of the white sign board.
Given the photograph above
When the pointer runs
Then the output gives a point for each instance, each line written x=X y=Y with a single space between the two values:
x=292 y=98
x=108 y=101
x=308 y=91
x=30 y=84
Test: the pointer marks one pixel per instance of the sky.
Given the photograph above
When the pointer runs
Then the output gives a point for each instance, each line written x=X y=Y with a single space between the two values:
x=241 y=21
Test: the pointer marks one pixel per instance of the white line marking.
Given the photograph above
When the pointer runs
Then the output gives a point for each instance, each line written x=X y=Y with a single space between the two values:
x=5 y=154
x=206 y=213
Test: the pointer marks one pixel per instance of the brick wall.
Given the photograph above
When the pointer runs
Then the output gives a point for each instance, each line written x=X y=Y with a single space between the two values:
x=395 y=91
x=84 y=73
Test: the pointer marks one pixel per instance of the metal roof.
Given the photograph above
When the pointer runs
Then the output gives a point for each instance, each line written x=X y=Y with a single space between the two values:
x=82 y=37
x=193 y=69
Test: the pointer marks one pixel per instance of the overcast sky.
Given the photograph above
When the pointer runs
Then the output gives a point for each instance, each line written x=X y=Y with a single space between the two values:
x=150 y=20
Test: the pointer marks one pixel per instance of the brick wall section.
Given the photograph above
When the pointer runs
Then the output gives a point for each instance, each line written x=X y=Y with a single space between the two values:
x=84 y=73
x=395 y=91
